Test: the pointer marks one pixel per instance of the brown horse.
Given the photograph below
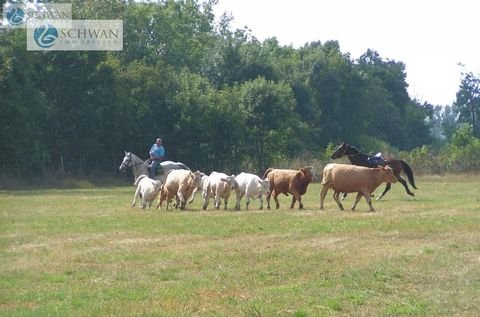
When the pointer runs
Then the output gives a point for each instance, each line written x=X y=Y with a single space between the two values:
x=358 y=158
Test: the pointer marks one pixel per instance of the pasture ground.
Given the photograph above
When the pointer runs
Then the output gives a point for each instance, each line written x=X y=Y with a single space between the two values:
x=87 y=253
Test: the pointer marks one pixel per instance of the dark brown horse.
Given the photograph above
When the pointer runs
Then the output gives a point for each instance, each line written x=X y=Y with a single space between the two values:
x=358 y=158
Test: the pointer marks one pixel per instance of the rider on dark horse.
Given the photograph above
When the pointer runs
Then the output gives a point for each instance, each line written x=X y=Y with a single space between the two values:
x=376 y=160
x=361 y=159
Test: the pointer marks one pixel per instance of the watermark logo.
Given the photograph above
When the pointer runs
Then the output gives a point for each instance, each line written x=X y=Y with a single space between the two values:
x=82 y=35
x=15 y=15
x=45 y=36
x=29 y=14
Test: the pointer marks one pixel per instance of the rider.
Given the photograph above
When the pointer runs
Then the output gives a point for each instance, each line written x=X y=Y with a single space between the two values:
x=157 y=152
x=376 y=160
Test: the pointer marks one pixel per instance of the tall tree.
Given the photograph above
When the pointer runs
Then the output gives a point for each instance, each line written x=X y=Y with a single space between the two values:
x=176 y=32
x=23 y=107
x=274 y=128
x=468 y=102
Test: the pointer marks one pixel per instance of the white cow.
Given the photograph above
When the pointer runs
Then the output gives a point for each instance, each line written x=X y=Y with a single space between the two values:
x=179 y=184
x=203 y=183
x=219 y=186
x=147 y=190
x=251 y=186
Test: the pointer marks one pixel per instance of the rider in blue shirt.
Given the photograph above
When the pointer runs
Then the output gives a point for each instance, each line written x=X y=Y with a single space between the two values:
x=157 y=152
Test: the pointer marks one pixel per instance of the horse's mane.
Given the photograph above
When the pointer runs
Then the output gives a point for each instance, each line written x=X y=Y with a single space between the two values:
x=354 y=148
x=135 y=156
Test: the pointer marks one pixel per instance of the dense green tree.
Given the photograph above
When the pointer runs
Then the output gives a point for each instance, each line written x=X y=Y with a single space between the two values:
x=220 y=98
x=338 y=93
x=274 y=128
x=449 y=121
x=177 y=32
x=208 y=126
x=467 y=103
x=394 y=117
x=23 y=150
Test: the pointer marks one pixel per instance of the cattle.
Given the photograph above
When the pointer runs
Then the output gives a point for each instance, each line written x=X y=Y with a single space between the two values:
x=219 y=185
x=147 y=190
x=285 y=181
x=203 y=182
x=251 y=186
x=179 y=184
x=345 y=178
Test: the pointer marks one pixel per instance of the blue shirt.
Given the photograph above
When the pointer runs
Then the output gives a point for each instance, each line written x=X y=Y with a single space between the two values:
x=157 y=151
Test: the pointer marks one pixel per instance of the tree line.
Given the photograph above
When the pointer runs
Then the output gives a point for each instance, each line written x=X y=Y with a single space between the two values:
x=220 y=98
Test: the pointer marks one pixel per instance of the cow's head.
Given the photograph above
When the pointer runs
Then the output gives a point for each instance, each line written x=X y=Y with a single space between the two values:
x=196 y=178
x=157 y=185
x=387 y=174
x=265 y=185
x=306 y=173
x=230 y=180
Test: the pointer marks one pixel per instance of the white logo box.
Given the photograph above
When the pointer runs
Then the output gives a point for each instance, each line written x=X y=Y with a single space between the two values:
x=82 y=35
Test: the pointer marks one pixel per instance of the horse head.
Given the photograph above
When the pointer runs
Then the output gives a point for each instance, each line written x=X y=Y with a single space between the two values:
x=126 y=162
x=340 y=151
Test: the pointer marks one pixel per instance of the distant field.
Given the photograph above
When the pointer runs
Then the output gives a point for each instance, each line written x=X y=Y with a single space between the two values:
x=87 y=253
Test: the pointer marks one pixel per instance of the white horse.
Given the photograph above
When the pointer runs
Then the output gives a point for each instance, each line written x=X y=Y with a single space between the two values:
x=140 y=167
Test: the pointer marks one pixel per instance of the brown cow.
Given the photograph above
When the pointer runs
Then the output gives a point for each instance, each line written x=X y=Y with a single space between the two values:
x=344 y=178
x=284 y=181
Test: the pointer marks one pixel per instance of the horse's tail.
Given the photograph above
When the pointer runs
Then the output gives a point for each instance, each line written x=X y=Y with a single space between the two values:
x=267 y=172
x=408 y=171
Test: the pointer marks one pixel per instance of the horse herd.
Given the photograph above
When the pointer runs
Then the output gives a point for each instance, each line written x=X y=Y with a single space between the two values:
x=177 y=181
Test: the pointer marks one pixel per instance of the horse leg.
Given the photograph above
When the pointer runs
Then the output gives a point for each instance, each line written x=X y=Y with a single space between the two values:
x=387 y=188
x=404 y=183
x=344 y=196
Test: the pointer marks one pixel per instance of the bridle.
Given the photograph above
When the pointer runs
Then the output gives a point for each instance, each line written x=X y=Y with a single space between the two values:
x=129 y=162
x=345 y=150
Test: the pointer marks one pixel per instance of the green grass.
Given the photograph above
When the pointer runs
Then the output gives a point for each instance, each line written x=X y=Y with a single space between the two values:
x=87 y=253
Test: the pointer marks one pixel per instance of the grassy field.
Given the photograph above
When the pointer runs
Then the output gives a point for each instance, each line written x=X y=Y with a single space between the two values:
x=87 y=253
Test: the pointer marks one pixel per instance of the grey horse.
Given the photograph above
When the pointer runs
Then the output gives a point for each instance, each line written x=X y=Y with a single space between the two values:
x=140 y=167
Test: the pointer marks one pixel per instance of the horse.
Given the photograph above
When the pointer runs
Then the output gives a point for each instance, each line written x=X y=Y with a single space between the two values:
x=140 y=167
x=358 y=158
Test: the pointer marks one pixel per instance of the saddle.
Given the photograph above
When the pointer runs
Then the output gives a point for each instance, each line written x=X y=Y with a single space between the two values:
x=376 y=160
x=159 y=170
